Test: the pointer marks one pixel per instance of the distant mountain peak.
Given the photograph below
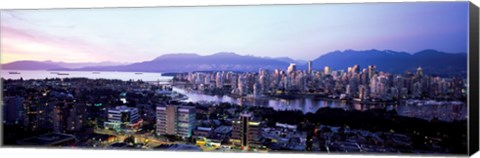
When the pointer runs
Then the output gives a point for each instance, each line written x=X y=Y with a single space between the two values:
x=290 y=60
x=194 y=55
x=29 y=65
x=49 y=64
x=226 y=54
x=429 y=51
x=177 y=55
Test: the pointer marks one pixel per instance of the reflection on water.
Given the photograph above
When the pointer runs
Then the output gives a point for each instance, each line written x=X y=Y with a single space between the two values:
x=443 y=112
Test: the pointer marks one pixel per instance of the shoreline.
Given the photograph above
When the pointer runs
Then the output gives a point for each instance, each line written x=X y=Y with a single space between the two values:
x=318 y=97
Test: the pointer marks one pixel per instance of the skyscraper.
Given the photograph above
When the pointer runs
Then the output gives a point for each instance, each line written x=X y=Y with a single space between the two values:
x=356 y=69
x=292 y=68
x=186 y=121
x=371 y=71
x=326 y=70
x=175 y=120
x=246 y=132
x=219 y=79
x=419 y=72
x=69 y=117
x=363 y=92
x=242 y=85
x=13 y=110
x=37 y=111
x=309 y=67
x=263 y=80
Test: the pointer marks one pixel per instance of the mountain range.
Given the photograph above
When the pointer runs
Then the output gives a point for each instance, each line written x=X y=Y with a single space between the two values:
x=432 y=62
x=48 y=65
x=224 y=61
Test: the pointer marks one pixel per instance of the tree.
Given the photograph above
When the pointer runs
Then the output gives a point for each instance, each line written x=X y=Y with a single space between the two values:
x=130 y=140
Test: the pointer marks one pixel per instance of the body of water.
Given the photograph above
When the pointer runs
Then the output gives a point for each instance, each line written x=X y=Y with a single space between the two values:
x=125 y=76
x=447 y=111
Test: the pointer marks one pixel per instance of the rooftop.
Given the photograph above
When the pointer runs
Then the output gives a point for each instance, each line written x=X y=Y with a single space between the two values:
x=47 y=139
x=223 y=129
x=123 y=108
x=204 y=129
x=178 y=147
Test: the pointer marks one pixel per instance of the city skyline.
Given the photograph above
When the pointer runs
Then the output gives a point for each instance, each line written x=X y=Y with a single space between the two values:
x=118 y=114
x=50 y=34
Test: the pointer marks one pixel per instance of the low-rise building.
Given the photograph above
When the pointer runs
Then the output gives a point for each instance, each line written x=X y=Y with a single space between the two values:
x=51 y=139
x=123 y=119
x=202 y=132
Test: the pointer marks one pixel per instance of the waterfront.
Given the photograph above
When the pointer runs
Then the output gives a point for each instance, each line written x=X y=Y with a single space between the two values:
x=124 y=76
x=446 y=111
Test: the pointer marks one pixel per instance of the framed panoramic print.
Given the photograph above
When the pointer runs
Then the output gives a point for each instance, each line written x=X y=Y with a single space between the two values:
x=362 y=78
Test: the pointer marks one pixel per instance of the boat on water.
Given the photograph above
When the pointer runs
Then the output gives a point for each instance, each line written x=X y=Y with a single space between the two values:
x=63 y=74
x=138 y=73
x=54 y=72
x=13 y=73
x=95 y=72
x=456 y=103
x=183 y=97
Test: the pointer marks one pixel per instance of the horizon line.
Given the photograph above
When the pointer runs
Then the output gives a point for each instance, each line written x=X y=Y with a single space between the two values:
x=231 y=52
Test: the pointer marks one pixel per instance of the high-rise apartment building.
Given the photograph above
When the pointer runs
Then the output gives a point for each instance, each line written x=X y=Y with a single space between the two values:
x=327 y=70
x=246 y=132
x=309 y=67
x=371 y=71
x=292 y=68
x=69 y=117
x=175 y=120
x=13 y=111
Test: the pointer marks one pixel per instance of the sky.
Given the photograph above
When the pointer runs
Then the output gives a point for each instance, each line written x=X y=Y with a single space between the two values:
x=303 y=32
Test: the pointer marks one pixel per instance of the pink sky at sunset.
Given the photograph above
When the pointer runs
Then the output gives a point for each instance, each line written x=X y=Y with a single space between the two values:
x=303 y=32
x=23 y=44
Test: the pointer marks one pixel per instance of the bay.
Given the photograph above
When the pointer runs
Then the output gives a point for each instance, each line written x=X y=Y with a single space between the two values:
x=124 y=76
x=446 y=111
